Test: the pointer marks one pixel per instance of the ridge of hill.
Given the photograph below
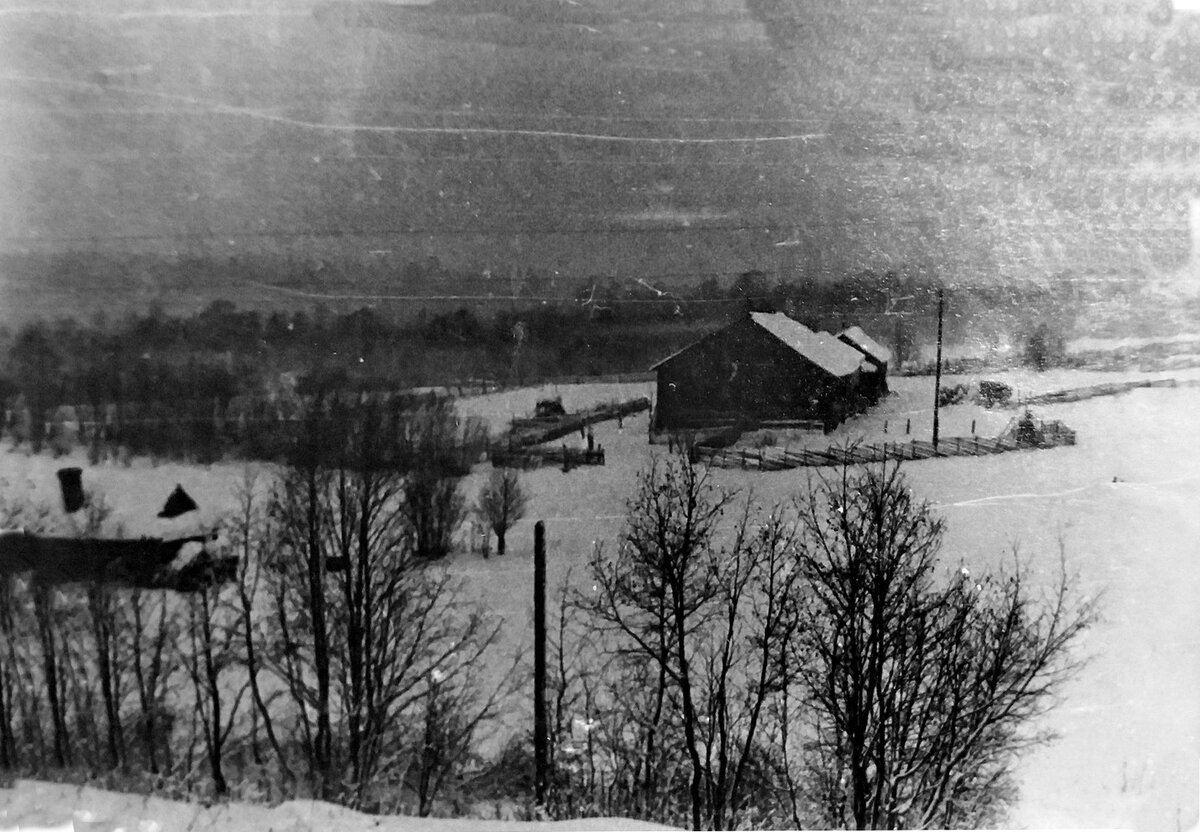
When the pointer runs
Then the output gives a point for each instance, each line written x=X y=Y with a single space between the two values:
x=983 y=141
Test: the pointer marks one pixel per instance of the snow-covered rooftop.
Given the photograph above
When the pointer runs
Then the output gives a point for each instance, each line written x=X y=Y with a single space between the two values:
x=866 y=343
x=821 y=348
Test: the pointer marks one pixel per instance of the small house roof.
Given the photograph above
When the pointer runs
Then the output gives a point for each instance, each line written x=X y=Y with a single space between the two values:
x=854 y=335
x=821 y=348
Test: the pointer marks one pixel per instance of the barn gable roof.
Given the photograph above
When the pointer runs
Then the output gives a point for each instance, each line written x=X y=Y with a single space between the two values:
x=684 y=349
x=856 y=337
x=821 y=348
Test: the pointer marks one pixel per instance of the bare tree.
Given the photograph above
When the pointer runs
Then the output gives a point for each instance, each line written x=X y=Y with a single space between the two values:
x=695 y=612
x=44 y=612
x=756 y=622
x=660 y=587
x=434 y=507
x=300 y=603
x=806 y=664
x=501 y=503
x=453 y=711
x=344 y=561
x=920 y=693
x=212 y=639
x=435 y=448
x=22 y=728
x=250 y=533
x=151 y=645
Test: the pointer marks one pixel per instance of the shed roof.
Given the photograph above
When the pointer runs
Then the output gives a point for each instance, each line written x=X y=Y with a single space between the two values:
x=866 y=343
x=821 y=348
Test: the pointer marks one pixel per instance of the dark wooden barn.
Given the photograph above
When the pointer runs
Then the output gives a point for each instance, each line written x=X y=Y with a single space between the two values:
x=764 y=367
x=876 y=355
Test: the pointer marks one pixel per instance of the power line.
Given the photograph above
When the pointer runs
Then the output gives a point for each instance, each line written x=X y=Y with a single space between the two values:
x=926 y=223
x=152 y=13
x=559 y=299
x=457 y=113
x=219 y=108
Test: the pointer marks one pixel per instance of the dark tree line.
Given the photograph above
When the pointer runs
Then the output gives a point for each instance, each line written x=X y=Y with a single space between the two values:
x=149 y=369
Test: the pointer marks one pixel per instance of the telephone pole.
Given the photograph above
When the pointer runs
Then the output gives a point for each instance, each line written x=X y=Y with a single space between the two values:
x=937 y=374
x=540 y=730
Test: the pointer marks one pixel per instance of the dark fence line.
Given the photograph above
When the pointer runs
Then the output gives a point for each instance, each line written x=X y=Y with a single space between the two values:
x=765 y=459
x=481 y=387
x=1076 y=394
x=563 y=457
x=538 y=430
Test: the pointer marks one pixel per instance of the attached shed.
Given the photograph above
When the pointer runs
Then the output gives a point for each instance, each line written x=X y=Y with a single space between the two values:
x=876 y=355
x=763 y=367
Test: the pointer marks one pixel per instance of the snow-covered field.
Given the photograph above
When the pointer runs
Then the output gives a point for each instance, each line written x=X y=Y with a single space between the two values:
x=1130 y=723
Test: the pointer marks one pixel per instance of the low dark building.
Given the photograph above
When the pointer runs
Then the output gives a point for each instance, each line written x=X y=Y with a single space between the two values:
x=763 y=367
x=877 y=357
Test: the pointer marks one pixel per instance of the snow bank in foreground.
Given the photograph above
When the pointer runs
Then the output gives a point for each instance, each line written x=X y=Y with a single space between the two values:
x=32 y=805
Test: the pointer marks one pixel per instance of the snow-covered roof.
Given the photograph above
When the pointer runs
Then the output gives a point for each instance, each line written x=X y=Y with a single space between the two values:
x=821 y=348
x=866 y=343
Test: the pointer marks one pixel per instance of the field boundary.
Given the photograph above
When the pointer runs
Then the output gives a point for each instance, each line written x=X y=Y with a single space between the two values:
x=766 y=459
x=1113 y=388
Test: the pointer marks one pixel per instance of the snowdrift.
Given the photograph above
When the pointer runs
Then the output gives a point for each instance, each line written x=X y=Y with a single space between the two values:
x=32 y=805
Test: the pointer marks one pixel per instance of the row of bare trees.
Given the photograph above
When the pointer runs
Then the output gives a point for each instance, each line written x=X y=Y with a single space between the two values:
x=806 y=665
x=85 y=670
x=342 y=662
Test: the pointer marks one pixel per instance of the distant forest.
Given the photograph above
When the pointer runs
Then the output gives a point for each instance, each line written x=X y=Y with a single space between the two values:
x=222 y=363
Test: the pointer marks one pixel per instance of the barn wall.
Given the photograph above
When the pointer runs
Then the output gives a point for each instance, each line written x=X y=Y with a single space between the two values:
x=744 y=373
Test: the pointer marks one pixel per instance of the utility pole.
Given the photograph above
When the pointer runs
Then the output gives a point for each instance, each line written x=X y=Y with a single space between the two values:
x=937 y=374
x=540 y=732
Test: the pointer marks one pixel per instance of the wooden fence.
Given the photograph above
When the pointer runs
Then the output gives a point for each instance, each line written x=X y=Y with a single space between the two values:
x=560 y=457
x=776 y=459
x=1076 y=394
x=537 y=430
x=481 y=387
x=519 y=449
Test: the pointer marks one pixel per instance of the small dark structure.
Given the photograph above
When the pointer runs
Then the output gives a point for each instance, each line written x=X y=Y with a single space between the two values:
x=1028 y=431
x=180 y=502
x=549 y=408
x=994 y=393
x=147 y=562
x=70 y=480
x=877 y=356
x=763 y=367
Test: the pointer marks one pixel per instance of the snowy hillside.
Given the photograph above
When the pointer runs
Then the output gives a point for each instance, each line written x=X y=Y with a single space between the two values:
x=31 y=806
